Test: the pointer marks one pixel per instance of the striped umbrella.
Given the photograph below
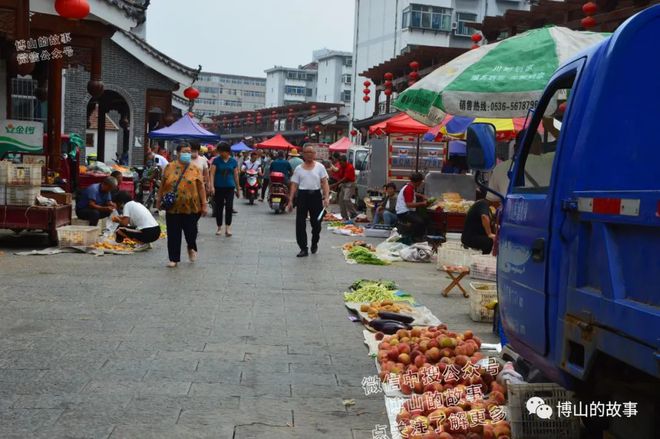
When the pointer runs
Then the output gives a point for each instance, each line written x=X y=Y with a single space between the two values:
x=500 y=80
x=456 y=126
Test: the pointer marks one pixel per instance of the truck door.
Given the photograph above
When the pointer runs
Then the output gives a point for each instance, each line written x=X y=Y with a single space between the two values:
x=525 y=229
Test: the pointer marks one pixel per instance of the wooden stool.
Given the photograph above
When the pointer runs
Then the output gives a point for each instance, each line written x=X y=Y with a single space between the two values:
x=456 y=273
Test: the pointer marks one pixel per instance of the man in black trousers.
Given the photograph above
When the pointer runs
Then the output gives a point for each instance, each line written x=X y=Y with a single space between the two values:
x=310 y=183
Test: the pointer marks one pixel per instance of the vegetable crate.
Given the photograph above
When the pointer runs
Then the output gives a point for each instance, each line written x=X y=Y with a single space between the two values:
x=525 y=425
x=21 y=195
x=378 y=231
x=484 y=267
x=20 y=175
x=453 y=253
x=78 y=236
x=482 y=294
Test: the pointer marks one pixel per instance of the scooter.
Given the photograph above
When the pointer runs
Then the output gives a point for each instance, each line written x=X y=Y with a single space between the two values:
x=278 y=192
x=251 y=186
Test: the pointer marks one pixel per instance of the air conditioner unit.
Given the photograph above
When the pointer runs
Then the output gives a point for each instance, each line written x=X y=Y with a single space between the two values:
x=454 y=25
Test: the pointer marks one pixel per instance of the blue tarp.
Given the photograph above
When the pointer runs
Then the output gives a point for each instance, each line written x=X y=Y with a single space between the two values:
x=240 y=147
x=184 y=129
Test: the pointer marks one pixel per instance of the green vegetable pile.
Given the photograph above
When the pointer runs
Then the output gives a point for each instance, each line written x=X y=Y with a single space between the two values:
x=362 y=255
x=370 y=293
x=390 y=285
x=336 y=224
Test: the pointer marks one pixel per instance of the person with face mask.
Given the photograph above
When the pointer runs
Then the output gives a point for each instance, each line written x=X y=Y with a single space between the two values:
x=224 y=174
x=186 y=181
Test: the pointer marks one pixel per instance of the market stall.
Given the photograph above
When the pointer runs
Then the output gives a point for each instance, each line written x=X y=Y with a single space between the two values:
x=341 y=146
x=277 y=142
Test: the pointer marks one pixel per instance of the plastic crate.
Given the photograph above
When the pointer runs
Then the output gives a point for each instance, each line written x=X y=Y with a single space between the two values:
x=525 y=425
x=77 y=236
x=21 y=195
x=453 y=253
x=482 y=294
x=378 y=231
x=484 y=267
x=24 y=175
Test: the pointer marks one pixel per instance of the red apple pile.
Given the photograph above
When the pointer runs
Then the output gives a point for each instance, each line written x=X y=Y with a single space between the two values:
x=420 y=418
x=420 y=357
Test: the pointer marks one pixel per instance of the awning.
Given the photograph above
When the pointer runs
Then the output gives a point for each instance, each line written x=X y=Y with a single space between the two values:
x=184 y=129
x=277 y=142
x=400 y=124
x=240 y=147
x=341 y=145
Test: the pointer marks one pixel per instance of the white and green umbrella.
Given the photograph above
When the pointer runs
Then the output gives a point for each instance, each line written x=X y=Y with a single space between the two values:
x=500 y=80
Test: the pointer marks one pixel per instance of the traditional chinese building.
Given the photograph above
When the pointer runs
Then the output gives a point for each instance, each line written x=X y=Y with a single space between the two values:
x=58 y=68
x=299 y=123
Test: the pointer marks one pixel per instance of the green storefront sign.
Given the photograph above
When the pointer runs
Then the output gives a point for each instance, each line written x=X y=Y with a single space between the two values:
x=21 y=136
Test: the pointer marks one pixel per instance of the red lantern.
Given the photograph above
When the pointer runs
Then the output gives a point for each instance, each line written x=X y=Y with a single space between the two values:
x=414 y=75
x=475 y=46
x=367 y=91
x=313 y=109
x=367 y=84
x=290 y=110
x=389 y=76
x=562 y=108
x=354 y=133
x=588 y=22
x=589 y=8
x=317 y=127
x=191 y=93
x=388 y=92
x=414 y=65
x=388 y=84
x=340 y=132
x=72 y=9
x=476 y=37
x=366 y=98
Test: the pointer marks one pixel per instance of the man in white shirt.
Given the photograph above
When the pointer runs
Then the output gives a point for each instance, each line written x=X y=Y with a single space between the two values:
x=158 y=160
x=136 y=222
x=310 y=183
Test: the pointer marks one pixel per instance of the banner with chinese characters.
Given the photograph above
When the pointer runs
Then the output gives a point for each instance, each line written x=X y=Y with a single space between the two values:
x=43 y=48
x=21 y=136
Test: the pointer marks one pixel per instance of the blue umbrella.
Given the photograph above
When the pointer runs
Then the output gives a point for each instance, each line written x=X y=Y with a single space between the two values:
x=240 y=147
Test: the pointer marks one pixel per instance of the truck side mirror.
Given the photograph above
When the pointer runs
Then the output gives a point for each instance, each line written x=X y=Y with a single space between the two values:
x=481 y=146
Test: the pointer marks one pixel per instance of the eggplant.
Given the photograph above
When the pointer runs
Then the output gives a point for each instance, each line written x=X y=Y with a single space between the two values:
x=388 y=326
x=394 y=316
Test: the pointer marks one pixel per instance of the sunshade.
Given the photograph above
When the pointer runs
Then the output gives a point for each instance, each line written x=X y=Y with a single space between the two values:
x=500 y=80
x=240 y=147
x=456 y=126
x=182 y=129
x=276 y=142
x=404 y=124
x=341 y=145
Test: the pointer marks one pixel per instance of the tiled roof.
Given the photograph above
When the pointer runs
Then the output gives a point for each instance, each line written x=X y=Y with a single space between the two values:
x=132 y=8
x=94 y=121
x=158 y=54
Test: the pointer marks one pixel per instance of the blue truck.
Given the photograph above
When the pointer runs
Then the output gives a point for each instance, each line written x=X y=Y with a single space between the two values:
x=579 y=241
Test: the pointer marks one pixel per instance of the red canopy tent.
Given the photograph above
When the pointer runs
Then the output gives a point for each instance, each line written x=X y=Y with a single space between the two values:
x=341 y=145
x=400 y=124
x=276 y=142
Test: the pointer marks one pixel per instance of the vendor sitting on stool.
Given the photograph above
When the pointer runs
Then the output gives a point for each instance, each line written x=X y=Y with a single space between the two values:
x=386 y=210
x=408 y=200
x=95 y=202
x=478 y=230
x=136 y=222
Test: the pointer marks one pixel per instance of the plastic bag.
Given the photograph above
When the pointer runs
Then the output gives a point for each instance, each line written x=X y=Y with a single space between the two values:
x=419 y=252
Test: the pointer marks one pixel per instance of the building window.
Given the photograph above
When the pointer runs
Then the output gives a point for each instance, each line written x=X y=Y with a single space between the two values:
x=297 y=91
x=346 y=96
x=347 y=79
x=348 y=62
x=464 y=18
x=426 y=17
x=309 y=92
x=89 y=140
x=24 y=105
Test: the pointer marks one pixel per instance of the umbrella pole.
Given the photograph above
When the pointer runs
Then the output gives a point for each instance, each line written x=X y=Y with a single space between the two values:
x=417 y=155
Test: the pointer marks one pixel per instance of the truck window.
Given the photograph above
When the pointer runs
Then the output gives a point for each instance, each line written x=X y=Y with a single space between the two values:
x=361 y=160
x=539 y=150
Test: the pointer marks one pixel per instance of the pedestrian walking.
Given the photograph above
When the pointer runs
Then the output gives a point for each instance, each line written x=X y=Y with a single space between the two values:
x=294 y=159
x=310 y=183
x=185 y=200
x=266 y=161
x=346 y=185
x=224 y=174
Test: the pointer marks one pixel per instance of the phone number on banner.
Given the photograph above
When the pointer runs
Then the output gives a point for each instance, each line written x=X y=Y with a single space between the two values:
x=468 y=105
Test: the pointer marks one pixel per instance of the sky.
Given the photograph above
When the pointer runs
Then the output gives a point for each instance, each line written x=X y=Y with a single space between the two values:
x=246 y=37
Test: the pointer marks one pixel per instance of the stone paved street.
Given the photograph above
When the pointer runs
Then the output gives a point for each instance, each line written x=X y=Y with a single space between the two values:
x=249 y=342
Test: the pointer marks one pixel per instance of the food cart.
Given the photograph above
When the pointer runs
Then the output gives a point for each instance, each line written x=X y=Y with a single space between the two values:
x=22 y=178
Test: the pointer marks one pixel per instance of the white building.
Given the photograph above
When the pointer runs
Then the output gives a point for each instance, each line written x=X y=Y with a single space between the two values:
x=335 y=78
x=221 y=94
x=386 y=28
x=286 y=85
